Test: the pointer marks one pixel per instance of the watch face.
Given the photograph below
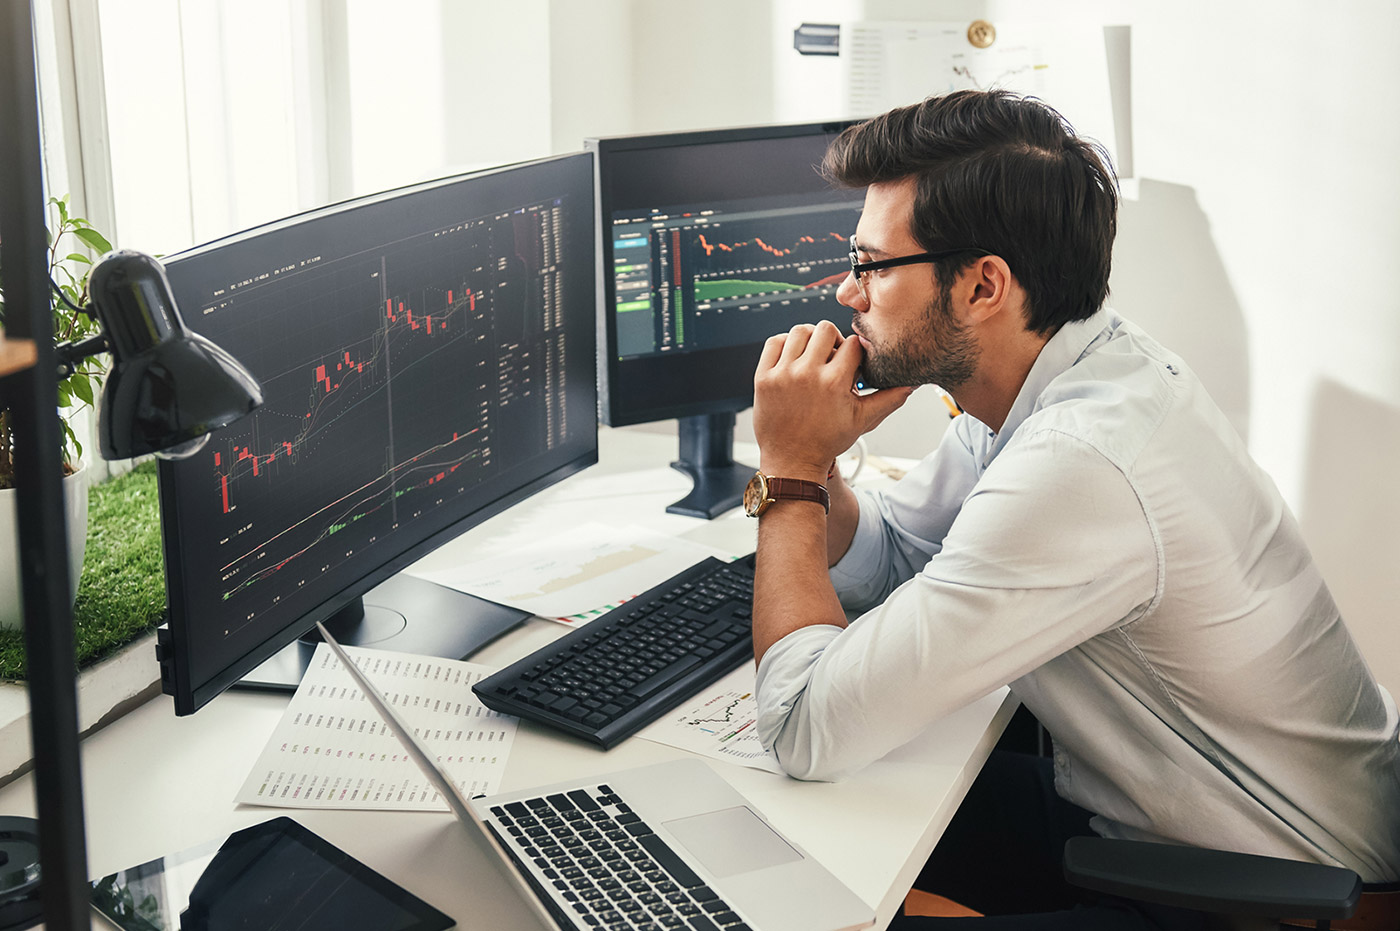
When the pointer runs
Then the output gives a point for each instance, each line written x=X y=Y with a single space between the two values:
x=756 y=495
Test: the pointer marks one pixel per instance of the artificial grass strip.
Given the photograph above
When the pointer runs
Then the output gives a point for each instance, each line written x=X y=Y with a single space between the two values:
x=121 y=595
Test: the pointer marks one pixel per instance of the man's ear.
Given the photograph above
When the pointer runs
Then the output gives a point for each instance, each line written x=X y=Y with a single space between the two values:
x=987 y=288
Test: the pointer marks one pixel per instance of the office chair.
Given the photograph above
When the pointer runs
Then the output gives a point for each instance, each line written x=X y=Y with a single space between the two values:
x=1247 y=892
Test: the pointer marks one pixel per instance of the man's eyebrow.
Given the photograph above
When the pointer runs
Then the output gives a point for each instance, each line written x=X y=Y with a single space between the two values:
x=874 y=251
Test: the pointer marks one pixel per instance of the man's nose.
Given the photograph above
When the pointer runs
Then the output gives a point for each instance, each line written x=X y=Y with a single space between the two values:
x=849 y=294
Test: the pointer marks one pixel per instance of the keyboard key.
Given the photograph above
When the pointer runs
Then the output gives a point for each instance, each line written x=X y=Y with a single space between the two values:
x=670 y=862
x=665 y=676
x=583 y=800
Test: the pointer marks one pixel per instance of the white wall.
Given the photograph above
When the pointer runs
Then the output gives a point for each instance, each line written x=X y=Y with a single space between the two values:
x=1264 y=246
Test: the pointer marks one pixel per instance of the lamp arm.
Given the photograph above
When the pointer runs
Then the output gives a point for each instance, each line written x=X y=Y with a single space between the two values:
x=69 y=354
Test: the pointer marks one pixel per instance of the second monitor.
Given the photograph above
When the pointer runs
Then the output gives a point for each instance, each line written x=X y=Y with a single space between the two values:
x=711 y=242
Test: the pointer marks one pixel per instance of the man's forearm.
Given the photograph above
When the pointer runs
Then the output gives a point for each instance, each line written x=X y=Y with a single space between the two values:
x=842 y=521
x=791 y=586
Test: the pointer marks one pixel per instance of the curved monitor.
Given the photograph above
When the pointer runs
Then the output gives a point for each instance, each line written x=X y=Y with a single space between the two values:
x=427 y=359
x=711 y=242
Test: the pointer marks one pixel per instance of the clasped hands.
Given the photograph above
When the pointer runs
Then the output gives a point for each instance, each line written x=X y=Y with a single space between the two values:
x=806 y=411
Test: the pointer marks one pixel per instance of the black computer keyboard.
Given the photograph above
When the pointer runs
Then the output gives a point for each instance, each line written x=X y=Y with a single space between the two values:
x=625 y=669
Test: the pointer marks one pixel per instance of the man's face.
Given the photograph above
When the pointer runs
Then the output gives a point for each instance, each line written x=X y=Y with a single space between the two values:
x=907 y=326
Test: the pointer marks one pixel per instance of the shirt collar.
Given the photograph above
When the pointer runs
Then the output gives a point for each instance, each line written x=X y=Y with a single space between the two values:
x=1068 y=346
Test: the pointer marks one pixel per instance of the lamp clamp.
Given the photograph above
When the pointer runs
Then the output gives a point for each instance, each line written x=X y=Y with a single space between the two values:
x=69 y=354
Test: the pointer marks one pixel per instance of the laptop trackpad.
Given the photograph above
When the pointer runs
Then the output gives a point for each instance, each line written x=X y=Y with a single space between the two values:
x=731 y=841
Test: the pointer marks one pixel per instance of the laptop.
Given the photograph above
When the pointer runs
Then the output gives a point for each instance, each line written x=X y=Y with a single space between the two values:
x=671 y=845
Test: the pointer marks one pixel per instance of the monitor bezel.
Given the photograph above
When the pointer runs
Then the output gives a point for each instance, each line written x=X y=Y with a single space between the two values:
x=174 y=649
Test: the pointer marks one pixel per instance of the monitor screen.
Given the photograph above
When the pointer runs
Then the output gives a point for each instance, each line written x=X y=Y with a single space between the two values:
x=710 y=242
x=427 y=359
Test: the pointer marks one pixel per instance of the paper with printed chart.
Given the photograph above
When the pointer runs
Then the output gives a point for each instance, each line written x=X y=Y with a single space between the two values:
x=332 y=750
x=576 y=574
x=1065 y=63
x=720 y=722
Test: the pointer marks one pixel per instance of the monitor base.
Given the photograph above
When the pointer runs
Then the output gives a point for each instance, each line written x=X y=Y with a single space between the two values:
x=707 y=456
x=403 y=614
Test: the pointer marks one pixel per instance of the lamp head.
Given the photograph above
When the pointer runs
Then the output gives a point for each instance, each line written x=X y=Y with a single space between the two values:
x=168 y=388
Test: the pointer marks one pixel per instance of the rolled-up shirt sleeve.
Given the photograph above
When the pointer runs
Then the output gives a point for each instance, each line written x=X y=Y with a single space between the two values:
x=1050 y=548
x=903 y=528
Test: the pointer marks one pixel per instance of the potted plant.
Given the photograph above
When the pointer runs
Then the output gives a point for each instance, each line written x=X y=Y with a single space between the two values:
x=68 y=270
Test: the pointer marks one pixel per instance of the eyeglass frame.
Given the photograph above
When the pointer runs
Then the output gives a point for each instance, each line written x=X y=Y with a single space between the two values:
x=859 y=268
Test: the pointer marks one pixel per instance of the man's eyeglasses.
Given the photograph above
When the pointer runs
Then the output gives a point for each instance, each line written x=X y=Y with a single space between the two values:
x=861 y=269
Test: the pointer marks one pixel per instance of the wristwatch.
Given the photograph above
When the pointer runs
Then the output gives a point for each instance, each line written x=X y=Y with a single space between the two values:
x=763 y=490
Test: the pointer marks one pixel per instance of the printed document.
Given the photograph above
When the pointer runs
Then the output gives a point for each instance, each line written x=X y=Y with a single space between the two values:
x=719 y=723
x=577 y=573
x=332 y=750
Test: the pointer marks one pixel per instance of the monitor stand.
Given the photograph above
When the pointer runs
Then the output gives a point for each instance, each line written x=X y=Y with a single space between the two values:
x=707 y=456
x=404 y=614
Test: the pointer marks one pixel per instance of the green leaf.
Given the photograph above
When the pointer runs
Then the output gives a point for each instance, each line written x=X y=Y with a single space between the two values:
x=65 y=397
x=93 y=238
x=82 y=387
x=62 y=205
x=78 y=257
x=72 y=450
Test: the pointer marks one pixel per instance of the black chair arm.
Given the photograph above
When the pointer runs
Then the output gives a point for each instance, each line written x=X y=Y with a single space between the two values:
x=1212 y=880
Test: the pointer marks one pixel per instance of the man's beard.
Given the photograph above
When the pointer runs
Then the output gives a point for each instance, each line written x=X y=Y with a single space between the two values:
x=937 y=351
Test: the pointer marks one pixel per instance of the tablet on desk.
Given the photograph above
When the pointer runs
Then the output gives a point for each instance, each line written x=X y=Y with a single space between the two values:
x=272 y=875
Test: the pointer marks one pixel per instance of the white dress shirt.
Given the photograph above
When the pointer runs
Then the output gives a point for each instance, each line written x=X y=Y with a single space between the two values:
x=1115 y=556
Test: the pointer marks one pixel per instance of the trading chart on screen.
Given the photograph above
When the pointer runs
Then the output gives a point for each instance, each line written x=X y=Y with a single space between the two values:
x=397 y=379
x=695 y=278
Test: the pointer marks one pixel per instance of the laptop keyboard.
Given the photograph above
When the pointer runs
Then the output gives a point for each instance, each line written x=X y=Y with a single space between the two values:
x=603 y=682
x=609 y=866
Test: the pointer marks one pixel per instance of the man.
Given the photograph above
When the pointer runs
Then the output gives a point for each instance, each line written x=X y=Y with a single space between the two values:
x=1091 y=532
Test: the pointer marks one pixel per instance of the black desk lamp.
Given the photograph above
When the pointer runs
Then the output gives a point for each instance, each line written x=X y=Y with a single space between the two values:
x=167 y=389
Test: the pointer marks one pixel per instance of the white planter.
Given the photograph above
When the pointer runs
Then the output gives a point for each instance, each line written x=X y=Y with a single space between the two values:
x=75 y=500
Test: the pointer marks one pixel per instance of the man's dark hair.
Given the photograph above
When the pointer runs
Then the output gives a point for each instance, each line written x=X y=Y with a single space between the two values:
x=1002 y=174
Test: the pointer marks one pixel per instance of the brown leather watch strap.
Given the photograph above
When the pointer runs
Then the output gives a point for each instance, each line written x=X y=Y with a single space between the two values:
x=798 y=489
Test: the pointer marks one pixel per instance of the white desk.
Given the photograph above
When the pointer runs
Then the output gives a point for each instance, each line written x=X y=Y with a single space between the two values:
x=155 y=783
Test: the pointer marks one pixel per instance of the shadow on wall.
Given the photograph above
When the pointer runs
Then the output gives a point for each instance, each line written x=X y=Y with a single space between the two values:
x=1351 y=516
x=1169 y=279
